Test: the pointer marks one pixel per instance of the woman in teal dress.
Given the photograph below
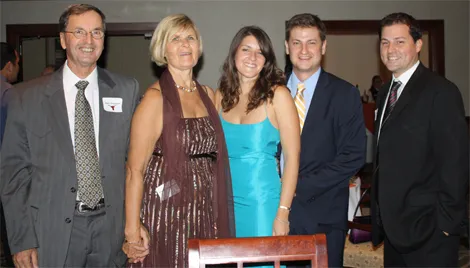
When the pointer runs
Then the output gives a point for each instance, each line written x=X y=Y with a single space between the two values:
x=257 y=112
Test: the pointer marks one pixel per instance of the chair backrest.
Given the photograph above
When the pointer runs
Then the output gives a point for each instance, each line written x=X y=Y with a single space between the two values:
x=259 y=249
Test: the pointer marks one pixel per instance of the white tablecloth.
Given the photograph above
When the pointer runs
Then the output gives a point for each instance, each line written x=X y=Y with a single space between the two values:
x=354 y=196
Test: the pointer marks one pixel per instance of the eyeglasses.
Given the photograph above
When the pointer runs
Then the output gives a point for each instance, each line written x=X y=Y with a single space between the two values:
x=81 y=34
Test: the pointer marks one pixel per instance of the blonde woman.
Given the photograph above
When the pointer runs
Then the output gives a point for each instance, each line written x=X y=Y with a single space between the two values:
x=178 y=183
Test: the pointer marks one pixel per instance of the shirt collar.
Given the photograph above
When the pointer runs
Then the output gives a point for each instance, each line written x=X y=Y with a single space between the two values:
x=405 y=77
x=309 y=84
x=72 y=78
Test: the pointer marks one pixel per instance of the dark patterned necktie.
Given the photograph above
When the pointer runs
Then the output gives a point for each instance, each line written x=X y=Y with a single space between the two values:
x=90 y=189
x=392 y=98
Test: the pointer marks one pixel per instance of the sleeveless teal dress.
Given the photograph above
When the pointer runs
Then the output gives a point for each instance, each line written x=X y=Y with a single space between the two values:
x=255 y=179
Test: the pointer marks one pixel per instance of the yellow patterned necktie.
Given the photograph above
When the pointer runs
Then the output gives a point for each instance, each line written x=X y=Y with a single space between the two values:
x=300 y=104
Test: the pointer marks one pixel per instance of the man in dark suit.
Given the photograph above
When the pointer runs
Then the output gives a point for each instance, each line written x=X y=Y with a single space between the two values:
x=333 y=137
x=422 y=165
x=63 y=157
x=10 y=67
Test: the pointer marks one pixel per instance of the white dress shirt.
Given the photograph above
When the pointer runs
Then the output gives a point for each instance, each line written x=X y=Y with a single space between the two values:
x=403 y=78
x=91 y=94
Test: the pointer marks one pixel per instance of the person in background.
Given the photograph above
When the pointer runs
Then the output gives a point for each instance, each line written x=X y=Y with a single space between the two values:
x=10 y=67
x=370 y=95
x=48 y=69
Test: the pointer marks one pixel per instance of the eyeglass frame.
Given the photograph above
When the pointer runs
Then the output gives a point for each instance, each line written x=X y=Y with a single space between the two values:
x=76 y=31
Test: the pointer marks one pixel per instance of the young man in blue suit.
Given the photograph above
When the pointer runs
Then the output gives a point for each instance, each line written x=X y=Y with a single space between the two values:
x=333 y=137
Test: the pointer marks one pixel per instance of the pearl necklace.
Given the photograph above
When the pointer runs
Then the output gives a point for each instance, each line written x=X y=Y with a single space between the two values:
x=192 y=89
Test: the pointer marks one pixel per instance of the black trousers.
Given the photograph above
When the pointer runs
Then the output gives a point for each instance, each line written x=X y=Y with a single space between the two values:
x=90 y=241
x=335 y=240
x=439 y=251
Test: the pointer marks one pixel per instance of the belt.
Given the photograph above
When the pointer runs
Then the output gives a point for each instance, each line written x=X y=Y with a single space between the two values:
x=212 y=156
x=82 y=207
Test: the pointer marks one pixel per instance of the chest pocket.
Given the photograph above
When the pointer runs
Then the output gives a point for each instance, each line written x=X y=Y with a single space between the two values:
x=415 y=127
x=39 y=128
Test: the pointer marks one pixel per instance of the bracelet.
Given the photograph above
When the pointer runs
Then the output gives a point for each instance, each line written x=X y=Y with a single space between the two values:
x=283 y=221
x=135 y=242
x=284 y=207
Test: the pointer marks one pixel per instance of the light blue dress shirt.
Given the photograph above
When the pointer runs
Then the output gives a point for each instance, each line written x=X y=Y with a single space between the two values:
x=310 y=85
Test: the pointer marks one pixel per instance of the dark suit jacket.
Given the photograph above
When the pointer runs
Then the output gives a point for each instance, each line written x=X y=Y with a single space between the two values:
x=38 y=175
x=5 y=87
x=333 y=146
x=422 y=163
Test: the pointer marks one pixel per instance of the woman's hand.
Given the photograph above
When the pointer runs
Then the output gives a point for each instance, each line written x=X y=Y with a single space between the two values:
x=136 y=247
x=135 y=251
x=146 y=129
x=289 y=127
x=280 y=227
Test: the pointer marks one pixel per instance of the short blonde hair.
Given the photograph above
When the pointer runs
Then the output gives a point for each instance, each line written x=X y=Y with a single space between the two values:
x=166 y=28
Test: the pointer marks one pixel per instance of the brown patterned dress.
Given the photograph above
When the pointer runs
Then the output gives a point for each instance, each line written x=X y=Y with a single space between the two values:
x=171 y=226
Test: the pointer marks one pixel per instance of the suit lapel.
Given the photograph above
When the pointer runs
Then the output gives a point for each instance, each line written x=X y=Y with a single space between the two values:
x=56 y=111
x=406 y=96
x=318 y=102
x=381 y=98
x=106 y=86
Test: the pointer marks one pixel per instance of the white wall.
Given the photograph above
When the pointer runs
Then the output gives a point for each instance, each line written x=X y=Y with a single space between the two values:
x=125 y=54
x=34 y=58
x=356 y=59
x=219 y=21
x=129 y=55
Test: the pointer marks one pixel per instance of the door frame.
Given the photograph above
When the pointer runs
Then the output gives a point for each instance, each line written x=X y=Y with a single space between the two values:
x=16 y=32
x=434 y=28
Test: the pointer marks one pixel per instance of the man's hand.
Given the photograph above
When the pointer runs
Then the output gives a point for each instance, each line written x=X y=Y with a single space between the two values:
x=446 y=233
x=144 y=234
x=26 y=259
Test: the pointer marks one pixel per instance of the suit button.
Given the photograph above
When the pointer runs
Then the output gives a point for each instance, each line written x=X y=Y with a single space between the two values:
x=73 y=190
x=68 y=220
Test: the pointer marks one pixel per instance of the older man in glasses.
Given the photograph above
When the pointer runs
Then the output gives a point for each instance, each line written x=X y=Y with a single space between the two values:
x=63 y=157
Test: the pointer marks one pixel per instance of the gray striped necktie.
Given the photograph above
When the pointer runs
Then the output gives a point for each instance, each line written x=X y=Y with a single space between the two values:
x=90 y=189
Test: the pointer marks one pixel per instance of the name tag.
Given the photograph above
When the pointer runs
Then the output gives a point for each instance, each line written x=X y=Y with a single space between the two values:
x=167 y=190
x=112 y=105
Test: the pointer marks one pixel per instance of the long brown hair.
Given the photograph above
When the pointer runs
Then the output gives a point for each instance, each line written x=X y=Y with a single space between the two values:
x=269 y=77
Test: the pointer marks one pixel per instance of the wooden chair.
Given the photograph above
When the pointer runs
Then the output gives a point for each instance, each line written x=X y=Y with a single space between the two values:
x=259 y=249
